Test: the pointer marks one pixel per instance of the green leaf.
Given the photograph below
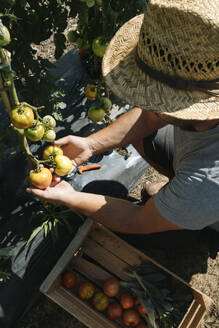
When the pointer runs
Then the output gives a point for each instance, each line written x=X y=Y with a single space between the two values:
x=34 y=234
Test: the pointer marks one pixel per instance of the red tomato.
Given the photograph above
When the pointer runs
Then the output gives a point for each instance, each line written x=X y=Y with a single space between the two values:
x=114 y=311
x=131 y=318
x=111 y=287
x=141 y=309
x=127 y=301
x=69 y=279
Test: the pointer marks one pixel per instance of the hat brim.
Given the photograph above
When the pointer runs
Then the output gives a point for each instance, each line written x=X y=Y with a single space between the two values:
x=128 y=82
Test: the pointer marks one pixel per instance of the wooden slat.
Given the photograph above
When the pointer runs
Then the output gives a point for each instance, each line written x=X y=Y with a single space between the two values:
x=191 y=314
x=67 y=255
x=105 y=258
x=115 y=246
x=199 y=315
x=90 y=270
x=80 y=309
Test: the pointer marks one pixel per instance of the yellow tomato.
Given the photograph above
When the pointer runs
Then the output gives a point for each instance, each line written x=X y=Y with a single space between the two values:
x=63 y=165
x=40 y=179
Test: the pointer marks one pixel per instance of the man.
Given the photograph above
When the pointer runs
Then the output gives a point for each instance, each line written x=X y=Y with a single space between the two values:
x=165 y=64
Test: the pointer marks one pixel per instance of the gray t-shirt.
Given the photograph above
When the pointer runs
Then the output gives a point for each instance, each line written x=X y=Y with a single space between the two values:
x=191 y=199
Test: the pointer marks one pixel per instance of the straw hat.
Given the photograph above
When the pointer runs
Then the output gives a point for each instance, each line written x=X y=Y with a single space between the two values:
x=163 y=60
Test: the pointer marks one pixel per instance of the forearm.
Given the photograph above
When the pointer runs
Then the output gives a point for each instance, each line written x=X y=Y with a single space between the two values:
x=127 y=129
x=114 y=213
x=118 y=214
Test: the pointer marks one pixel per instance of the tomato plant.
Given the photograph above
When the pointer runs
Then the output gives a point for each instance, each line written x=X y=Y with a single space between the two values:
x=22 y=117
x=40 y=178
x=52 y=151
x=63 y=165
x=69 y=279
x=100 y=301
x=35 y=132
x=86 y=290
x=111 y=287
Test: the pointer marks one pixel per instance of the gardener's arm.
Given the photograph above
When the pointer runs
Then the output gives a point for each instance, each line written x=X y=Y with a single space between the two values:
x=121 y=215
x=127 y=129
x=116 y=214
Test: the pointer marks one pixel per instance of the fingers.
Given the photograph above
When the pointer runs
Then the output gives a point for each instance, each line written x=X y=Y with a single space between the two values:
x=55 y=180
x=62 y=141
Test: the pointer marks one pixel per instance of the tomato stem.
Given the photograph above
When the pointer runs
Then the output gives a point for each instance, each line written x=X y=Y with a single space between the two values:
x=9 y=96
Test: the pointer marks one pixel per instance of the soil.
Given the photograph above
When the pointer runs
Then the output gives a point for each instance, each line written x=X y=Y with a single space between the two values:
x=191 y=261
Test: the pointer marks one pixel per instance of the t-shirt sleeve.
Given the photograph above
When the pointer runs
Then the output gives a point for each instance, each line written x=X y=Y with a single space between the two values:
x=187 y=202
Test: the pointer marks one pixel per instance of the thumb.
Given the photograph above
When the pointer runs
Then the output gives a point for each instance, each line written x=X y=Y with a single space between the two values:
x=35 y=192
x=62 y=141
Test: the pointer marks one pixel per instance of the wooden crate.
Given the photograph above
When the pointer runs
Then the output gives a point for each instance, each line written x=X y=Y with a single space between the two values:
x=113 y=255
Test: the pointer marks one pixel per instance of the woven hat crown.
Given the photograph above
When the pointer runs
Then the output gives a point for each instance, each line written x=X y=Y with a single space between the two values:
x=181 y=37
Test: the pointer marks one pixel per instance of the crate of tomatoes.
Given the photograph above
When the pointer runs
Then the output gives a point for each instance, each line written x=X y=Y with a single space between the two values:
x=104 y=282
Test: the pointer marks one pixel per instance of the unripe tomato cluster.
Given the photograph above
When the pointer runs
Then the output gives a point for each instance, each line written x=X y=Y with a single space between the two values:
x=115 y=304
x=41 y=178
x=35 y=129
x=101 y=106
x=77 y=37
x=22 y=117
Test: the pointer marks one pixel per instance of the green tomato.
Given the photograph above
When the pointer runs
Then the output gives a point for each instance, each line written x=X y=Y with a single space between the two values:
x=52 y=151
x=35 y=132
x=72 y=36
x=49 y=121
x=90 y=3
x=22 y=117
x=96 y=115
x=4 y=35
x=99 y=46
x=49 y=135
x=105 y=103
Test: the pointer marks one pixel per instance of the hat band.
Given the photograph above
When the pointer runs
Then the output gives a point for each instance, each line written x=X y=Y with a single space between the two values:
x=176 y=82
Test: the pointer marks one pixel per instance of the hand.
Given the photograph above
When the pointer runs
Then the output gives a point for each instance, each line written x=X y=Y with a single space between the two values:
x=58 y=192
x=76 y=148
